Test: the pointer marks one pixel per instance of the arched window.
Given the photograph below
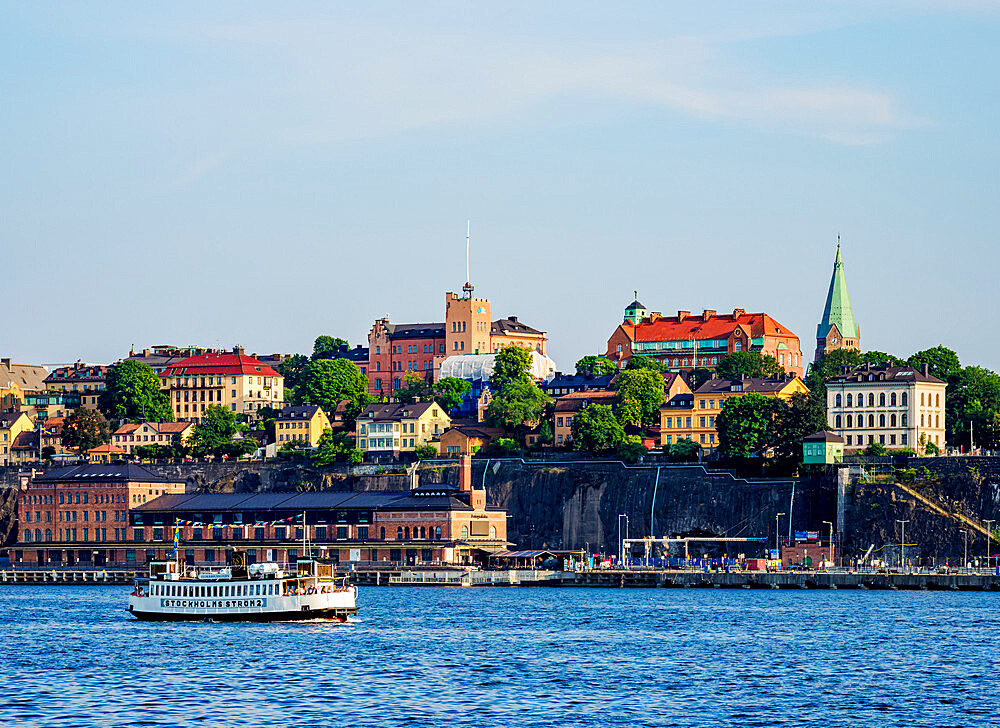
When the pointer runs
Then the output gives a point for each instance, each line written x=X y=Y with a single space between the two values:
x=27 y=535
x=892 y=420
x=881 y=399
x=493 y=531
x=871 y=420
x=921 y=419
x=892 y=399
x=465 y=532
x=399 y=533
x=48 y=534
x=382 y=533
x=838 y=401
x=881 y=420
x=437 y=533
x=38 y=534
x=406 y=532
x=921 y=399
x=423 y=532
x=676 y=361
x=937 y=400
x=902 y=399
x=902 y=419
x=850 y=400
x=871 y=399
x=850 y=421
x=837 y=422
x=937 y=420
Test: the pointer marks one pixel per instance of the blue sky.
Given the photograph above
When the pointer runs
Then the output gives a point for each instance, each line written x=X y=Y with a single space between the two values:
x=261 y=173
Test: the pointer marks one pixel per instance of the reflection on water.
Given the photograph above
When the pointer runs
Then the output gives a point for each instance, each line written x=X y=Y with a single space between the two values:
x=510 y=657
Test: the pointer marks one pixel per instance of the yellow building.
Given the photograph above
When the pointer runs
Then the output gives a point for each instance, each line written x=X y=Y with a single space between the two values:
x=302 y=423
x=511 y=332
x=238 y=382
x=105 y=454
x=694 y=416
x=12 y=424
x=143 y=434
x=85 y=379
x=17 y=380
x=391 y=429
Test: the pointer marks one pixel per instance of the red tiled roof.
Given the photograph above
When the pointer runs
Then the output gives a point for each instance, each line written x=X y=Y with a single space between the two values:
x=163 y=428
x=720 y=326
x=225 y=364
x=113 y=449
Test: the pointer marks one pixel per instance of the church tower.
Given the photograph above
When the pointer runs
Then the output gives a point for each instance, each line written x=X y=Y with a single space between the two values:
x=837 y=329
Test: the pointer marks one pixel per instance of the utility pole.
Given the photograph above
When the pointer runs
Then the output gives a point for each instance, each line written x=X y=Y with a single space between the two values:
x=777 y=546
x=902 y=543
x=829 y=544
x=989 y=539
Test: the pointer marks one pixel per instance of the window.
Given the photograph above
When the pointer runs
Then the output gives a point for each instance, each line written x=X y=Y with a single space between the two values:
x=836 y=422
x=892 y=399
x=850 y=421
x=871 y=399
x=881 y=420
x=902 y=399
x=892 y=421
x=881 y=399
x=871 y=422
x=838 y=401
x=399 y=533
x=465 y=532
x=850 y=400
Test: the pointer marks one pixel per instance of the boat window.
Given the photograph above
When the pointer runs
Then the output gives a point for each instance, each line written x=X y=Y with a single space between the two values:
x=225 y=591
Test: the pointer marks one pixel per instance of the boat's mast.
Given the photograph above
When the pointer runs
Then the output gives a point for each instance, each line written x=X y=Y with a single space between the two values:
x=177 y=546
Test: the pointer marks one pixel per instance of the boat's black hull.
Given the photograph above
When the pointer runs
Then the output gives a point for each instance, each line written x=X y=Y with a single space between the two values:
x=338 y=613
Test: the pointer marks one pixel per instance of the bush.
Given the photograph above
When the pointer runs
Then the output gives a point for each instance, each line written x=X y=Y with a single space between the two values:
x=683 y=451
x=425 y=452
x=632 y=449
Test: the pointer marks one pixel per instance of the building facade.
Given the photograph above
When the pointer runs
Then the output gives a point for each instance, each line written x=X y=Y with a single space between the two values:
x=695 y=420
x=685 y=342
x=395 y=349
x=389 y=430
x=304 y=424
x=12 y=425
x=838 y=328
x=85 y=379
x=238 y=382
x=143 y=434
x=566 y=407
x=80 y=514
x=898 y=407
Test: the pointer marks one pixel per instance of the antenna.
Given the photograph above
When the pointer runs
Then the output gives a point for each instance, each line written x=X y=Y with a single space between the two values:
x=468 y=287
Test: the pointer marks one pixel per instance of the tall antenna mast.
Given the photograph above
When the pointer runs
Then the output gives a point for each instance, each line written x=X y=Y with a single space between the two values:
x=468 y=287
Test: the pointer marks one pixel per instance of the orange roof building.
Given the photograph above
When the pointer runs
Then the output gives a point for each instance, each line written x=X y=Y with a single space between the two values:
x=685 y=342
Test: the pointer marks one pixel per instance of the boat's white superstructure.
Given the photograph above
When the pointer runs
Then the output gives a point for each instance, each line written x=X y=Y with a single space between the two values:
x=241 y=593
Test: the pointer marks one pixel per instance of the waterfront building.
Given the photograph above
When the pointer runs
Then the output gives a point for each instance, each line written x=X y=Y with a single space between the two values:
x=895 y=406
x=80 y=514
x=241 y=383
x=143 y=434
x=837 y=329
x=566 y=407
x=390 y=430
x=87 y=380
x=822 y=448
x=685 y=342
x=304 y=424
x=693 y=418
x=12 y=424
x=100 y=515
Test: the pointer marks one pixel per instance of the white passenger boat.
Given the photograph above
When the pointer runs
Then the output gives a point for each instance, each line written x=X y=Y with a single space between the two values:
x=241 y=593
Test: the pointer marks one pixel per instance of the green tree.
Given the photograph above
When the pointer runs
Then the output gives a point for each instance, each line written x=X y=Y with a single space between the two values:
x=329 y=381
x=748 y=364
x=645 y=388
x=132 y=393
x=292 y=368
x=744 y=424
x=684 y=451
x=450 y=391
x=876 y=449
x=326 y=346
x=425 y=452
x=48 y=452
x=830 y=364
x=931 y=449
x=332 y=447
x=628 y=412
x=973 y=400
x=415 y=388
x=545 y=436
x=644 y=362
x=215 y=432
x=794 y=419
x=875 y=357
x=595 y=365
x=941 y=362
x=631 y=449
x=84 y=429
x=699 y=376
x=512 y=364
x=518 y=403
x=595 y=428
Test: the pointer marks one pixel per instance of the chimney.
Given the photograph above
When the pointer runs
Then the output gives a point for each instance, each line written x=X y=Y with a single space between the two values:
x=681 y=315
x=737 y=312
x=926 y=369
x=464 y=473
x=512 y=318
x=707 y=314
x=6 y=362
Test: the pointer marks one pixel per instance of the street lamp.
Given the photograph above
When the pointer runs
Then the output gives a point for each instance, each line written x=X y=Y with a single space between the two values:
x=829 y=544
x=621 y=543
x=777 y=546
x=965 y=559
x=902 y=543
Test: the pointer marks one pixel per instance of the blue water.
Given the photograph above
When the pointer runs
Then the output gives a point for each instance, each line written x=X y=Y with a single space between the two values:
x=72 y=656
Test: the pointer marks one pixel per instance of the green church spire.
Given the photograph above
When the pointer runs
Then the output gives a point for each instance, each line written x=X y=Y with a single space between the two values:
x=838 y=311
